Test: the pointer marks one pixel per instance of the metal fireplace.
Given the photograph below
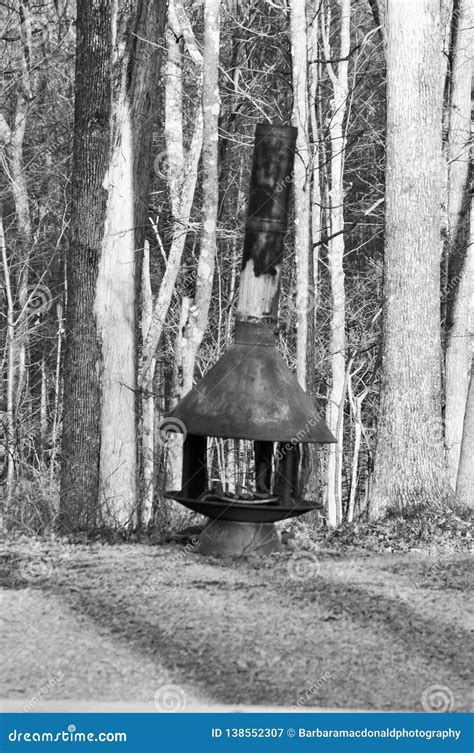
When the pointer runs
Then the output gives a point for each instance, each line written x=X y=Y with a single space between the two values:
x=250 y=394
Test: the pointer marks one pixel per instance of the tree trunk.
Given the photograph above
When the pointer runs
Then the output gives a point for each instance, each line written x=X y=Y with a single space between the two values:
x=316 y=221
x=460 y=286
x=13 y=139
x=22 y=205
x=337 y=343
x=174 y=440
x=409 y=465
x=193 y=327
x=465 y=480
x=147 y=428
x=465 y=477
x=177 y=166
x=182 y=177
x=57 y=409
x=112 y=137
x=174 y=111
x=199 y=309
x=301 y=180
x=81 y=425
x=356 y=407
x=9 y=427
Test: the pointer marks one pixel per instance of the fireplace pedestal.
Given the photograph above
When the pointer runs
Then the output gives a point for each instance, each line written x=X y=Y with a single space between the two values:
x=230 y=538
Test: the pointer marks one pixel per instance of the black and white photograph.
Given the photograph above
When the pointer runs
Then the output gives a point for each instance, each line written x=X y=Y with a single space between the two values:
x=236 y=344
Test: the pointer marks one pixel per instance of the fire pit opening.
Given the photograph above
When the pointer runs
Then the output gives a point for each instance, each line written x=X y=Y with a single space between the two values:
x=242 y=479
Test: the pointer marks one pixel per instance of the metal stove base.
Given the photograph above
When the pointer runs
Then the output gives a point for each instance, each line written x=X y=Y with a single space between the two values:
x=232 y=538
x=244 y=512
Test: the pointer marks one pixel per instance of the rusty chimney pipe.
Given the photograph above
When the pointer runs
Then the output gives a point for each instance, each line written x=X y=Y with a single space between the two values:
x=267 y=221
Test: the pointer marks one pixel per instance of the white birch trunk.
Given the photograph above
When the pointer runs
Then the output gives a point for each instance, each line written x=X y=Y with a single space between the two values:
x=182 y=174
x=335 y=408
x=174 y=113
x=43 y=412
x=57 y=400
x=465 y=479
x=22 y=210
x=315 y=171
x=12 y=139
x=465 y=476
x=199 y=310
x=148 y=406
x=301 y=180
x=174 y=440
x=9 y=441
x=114 y=309
x=458 y=354
x=356 y=406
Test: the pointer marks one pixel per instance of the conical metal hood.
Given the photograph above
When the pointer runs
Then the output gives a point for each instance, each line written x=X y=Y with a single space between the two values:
x=250 y=393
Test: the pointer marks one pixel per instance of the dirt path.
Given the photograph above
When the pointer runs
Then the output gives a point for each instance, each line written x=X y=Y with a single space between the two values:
x=297 y=629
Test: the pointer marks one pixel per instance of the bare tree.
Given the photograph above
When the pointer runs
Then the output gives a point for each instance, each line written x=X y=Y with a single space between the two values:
x=12 y=139
x=465 y=475
x=337 y=344
x=459 y=283
x=178 y=165
x=301 y=180
x=465 y=479
x=181 y=175
x=112 y=137
x=9 y=427
x=199 y=308
x=409 y=465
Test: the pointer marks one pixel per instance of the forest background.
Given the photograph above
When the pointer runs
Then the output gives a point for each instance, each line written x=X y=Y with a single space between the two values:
x=126 y=137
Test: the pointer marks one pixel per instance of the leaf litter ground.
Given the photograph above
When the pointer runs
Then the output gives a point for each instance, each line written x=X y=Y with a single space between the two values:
x=338 y=620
